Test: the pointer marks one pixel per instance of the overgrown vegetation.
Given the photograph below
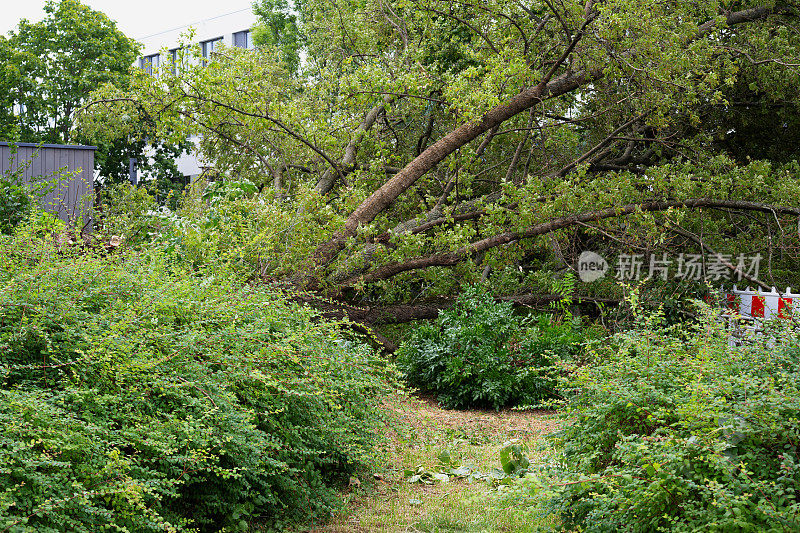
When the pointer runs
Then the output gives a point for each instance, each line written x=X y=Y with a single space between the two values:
x=441 y=143
x=377 y=159
x=138 y=393
x=478 y=354
x=674 y=430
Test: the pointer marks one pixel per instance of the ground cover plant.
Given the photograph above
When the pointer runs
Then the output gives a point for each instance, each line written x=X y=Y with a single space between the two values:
x=138 y=394
x=675 y=430
x=479 y=353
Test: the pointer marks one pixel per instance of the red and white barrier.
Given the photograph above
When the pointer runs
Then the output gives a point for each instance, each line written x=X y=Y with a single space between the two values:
x=749 y=303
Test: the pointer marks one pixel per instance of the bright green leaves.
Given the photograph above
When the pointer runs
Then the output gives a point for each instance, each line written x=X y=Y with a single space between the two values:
x=143 y=395
x=278 y=29
x=675 y=429
x=479 y=354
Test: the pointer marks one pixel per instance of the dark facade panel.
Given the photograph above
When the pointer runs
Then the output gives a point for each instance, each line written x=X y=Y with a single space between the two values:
x=65 y=172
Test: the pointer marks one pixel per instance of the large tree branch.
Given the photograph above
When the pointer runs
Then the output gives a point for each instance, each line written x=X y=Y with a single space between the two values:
x=328 y=179
x=364 y=319
x=437 y=152
x=453 y=258
x=741 y=17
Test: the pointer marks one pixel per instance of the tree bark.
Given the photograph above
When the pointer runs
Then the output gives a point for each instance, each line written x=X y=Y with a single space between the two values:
x=437 y=152
x=402 y=313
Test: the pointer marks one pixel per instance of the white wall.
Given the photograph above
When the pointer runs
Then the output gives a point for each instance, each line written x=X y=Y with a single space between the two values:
x=224 y=26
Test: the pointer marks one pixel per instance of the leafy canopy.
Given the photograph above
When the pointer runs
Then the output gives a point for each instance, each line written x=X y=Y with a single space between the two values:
x=402 y=117
x=55 y=63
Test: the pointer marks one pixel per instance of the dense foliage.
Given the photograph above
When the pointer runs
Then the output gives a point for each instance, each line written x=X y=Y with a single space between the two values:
x=52 y=65
x=14 y=204
x=380 y=152
x=137 y=393
x=479 y=354
x=674 y=430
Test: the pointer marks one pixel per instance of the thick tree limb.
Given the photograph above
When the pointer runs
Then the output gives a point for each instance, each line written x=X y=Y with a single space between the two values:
x=452 y=258
x=402 y=313
x=741 y=17
x=549 y=87
x=437 y=152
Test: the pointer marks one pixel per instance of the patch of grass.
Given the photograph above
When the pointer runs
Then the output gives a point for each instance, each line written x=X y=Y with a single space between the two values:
x=385 y=501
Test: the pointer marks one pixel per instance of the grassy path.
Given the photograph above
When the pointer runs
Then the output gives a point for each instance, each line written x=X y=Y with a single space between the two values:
x=387 y=502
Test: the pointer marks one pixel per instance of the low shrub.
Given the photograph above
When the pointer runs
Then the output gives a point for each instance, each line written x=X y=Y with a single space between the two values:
x=478 y=353
x=139 y=395
x=674 y=430
x=129 y=212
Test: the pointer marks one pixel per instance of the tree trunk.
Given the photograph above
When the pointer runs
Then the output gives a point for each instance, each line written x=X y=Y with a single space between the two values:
x=437 y=152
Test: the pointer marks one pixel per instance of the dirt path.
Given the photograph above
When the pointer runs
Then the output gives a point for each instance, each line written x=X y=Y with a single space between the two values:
x=387 y=502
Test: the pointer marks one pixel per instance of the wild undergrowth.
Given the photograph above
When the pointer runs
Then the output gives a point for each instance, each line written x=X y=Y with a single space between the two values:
x=138 y=393
x=480 y=354
x=674 y=429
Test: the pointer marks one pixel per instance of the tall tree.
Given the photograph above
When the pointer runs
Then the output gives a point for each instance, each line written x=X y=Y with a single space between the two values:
x=63 y=57
x=277 y=28
x=49 y=69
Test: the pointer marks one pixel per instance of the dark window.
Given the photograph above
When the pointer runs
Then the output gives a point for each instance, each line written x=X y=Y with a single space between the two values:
x=173 y=56
x=208 y=47
x=149 y=64
x=241 y=39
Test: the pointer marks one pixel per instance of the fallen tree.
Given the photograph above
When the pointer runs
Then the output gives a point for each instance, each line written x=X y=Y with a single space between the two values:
x=422 y=149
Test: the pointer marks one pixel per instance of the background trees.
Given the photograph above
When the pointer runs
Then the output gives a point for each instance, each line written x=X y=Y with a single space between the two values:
x=452 y=141
x=60 y=60
x=50 y=67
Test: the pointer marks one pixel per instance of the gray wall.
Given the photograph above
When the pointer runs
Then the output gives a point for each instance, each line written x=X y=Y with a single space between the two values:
x=48 y=161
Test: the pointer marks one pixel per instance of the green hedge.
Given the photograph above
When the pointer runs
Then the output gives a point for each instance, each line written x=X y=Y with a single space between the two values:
x=137 y=395
x=673 y=430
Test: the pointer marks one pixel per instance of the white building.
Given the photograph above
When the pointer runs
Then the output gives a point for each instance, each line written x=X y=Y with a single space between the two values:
x=230 y=29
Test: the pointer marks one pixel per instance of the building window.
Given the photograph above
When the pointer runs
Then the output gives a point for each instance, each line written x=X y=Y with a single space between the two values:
x=173 y=56
x=242 y=39
x=209 y=47
x=149 y=64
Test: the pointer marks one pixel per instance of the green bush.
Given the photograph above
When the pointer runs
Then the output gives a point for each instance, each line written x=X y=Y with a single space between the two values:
x=138 y=395
x=673 y=430
x=478 y=353
x=15 y=204
x=228 y=189
x=224 y=226
x=129 y=212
